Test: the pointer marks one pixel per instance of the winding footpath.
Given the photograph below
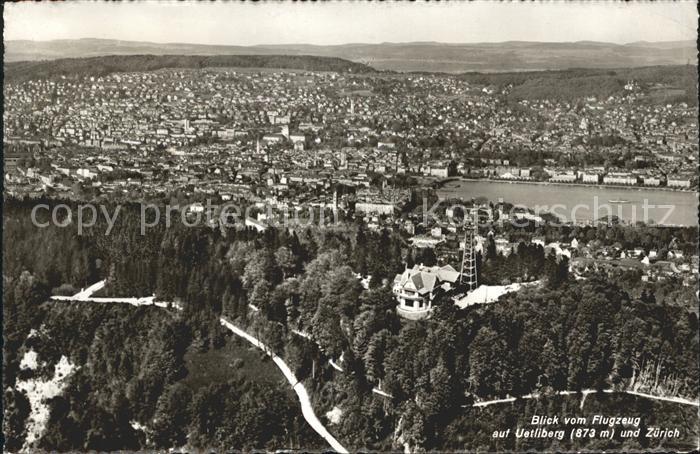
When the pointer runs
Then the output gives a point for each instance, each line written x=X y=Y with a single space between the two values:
x=306 y=408
x=304 y=400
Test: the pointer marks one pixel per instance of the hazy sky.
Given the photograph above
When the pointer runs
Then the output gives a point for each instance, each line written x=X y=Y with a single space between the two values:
x=337 y=22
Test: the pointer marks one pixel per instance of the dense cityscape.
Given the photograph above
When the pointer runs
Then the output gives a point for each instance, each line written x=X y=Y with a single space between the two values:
x=245 y=132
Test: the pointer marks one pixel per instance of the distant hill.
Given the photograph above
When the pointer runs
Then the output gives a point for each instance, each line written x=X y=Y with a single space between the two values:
x=674 y=83
x=417 y=56
x=99 y=66
x=670 y=83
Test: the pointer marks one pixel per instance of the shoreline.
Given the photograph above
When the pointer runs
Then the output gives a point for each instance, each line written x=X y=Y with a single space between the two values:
x=441 y=185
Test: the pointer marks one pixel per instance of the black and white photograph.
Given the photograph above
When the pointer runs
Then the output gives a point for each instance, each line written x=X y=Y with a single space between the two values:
x=350 y=226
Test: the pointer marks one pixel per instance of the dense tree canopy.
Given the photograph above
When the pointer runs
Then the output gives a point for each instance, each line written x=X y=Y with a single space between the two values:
x=563 y=335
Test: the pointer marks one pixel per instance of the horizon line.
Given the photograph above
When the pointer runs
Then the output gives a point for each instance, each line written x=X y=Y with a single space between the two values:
x=349 y=43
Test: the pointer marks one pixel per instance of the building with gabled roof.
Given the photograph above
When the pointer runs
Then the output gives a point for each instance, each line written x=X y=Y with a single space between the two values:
x=416 y=288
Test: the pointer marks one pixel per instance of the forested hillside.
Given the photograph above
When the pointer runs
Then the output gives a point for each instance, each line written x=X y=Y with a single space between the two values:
x=131 y=388
x=101 y=66
x=581 y=83
x=563 y=335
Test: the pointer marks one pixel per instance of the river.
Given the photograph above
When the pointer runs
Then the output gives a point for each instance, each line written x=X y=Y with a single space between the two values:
x=581 y=204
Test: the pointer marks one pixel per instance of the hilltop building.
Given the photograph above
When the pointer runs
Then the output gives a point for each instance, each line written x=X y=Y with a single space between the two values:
x=416 y=288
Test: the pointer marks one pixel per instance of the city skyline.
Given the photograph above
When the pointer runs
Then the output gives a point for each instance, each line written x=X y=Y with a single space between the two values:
x=344 y=23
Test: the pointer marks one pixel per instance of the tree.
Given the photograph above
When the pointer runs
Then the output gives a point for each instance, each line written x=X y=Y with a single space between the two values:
x=17 y=411
x=555 y=370
x=261 y=267
x=488 y=364
x=375 y=355
x=414 y=430
x=325 y=331
x=551 y=270
x=260 y=296
x=426 y=256
x=285 y=261
x=360 y=252
x=298 y=354
x=440 y=395
x=491 y=249
x=172 y=417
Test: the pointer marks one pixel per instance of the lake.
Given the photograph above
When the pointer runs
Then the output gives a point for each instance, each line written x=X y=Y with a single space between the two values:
x=578 y=203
